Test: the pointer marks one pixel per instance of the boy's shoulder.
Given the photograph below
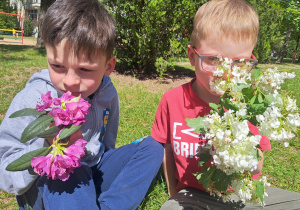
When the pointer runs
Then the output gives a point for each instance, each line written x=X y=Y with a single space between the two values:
x=179 y=89
x=37 y=85
x=40 y=76
x=106 y=87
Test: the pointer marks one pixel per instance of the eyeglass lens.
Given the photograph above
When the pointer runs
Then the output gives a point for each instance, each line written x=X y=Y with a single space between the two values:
x=210 y=63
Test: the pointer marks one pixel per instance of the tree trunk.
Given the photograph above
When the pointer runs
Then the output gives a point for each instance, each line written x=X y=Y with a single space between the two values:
x=39 y=41
x=282 y=53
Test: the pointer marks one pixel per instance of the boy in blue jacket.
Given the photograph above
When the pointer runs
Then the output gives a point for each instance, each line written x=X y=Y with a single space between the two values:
x=79 y=40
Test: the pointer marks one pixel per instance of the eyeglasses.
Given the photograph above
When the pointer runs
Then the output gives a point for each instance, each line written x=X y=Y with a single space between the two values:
x=211 y=63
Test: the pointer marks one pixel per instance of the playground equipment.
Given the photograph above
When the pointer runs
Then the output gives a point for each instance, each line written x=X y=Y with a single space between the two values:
x=12 y=33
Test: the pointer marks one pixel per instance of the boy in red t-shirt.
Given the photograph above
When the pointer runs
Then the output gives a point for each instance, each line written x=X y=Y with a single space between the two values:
x=221 y=27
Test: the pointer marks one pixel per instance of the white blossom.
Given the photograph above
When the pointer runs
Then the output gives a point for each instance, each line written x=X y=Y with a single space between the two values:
x=272 y=80
x=233 y=147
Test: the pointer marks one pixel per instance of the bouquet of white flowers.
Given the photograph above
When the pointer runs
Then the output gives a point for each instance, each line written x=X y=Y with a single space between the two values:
x=251 y=112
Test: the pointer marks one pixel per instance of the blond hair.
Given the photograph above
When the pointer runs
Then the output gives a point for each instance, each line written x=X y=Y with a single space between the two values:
x=225 y=19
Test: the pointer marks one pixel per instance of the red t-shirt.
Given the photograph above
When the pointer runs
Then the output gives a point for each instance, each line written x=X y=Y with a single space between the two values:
x=170 y=128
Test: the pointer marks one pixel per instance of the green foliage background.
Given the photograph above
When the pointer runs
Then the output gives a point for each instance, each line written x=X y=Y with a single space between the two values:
x=7 y=21
x=149 y=32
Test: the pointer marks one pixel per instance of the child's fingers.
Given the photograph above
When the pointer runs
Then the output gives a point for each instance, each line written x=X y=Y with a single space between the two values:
x=75 y=136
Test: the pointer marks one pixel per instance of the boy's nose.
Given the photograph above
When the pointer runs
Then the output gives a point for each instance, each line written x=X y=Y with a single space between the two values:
x=71 y=79
x=228 y=73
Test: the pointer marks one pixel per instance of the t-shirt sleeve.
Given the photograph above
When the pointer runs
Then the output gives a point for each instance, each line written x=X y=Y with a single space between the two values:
x=161 y=125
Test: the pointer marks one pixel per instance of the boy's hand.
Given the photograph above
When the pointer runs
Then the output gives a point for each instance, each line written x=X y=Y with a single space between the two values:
x=50 y=140
x=260 y=163
x=74 y=137
x=169 y=169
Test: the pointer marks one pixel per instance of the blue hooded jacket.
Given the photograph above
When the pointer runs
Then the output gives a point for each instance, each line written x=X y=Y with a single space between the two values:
x=105 y=101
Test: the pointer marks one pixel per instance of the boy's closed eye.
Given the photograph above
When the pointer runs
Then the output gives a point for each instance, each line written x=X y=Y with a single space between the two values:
x=56 y=66
x=60 y=67
x=85 y=70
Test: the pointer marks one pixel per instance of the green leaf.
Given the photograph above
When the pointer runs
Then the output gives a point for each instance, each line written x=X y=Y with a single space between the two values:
x=248 y=93
x=260 y=98
x=222 y=180
x=36 y=127
x=229 y=105
x=257 y=74
x=215 y=107
x=204 y=158
x=260 y=190
x=256 y=109
x=68 y=131
x=240 y=86
x=197 y=124
x=24 y=161
x=269 y=99
x=255 y=154
x=253 y=99
x=26 y=112
x=198 y=175
x=50 y=132
x=206 y=175
x=221 y=112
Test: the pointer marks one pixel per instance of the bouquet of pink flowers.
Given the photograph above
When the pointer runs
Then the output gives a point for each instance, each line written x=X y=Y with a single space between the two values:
x=57 y=119
x=251 y=112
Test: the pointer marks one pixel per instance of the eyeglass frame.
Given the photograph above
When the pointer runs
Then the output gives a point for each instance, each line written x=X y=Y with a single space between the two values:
x=253 y=58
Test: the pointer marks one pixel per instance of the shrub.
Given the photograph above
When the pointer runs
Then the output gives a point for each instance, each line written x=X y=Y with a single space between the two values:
x=28 y=27
x=149 y=32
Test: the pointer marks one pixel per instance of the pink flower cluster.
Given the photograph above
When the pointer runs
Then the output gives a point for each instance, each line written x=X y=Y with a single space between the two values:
x=45 y=102
x=66 y=110
x=59 y=166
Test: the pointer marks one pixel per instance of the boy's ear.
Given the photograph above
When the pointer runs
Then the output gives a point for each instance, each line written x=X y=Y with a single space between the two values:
x=110 y=66
x=191 y=55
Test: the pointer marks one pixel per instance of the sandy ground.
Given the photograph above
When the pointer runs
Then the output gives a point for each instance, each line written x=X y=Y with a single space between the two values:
x=26 y=41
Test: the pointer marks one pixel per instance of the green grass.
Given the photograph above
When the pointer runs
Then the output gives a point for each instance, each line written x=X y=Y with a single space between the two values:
x=17 y=64
x=138 y=103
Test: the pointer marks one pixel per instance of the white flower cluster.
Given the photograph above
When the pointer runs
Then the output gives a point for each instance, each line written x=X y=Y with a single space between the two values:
x=272 y=80
x=233 y=147
x=280 y=120
x=234 y=75
x=245 y=189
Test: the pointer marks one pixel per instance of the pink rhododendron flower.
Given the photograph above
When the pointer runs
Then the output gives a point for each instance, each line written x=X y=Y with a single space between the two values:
x=61 y=167
x=76 y=151
x=60 y=162
x=64 y=98
x=45 y=102
x=41 y=165
x=72 y=110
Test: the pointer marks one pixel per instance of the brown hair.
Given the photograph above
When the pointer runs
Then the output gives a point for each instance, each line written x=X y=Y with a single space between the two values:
x=85 y=24
x=225 y=19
